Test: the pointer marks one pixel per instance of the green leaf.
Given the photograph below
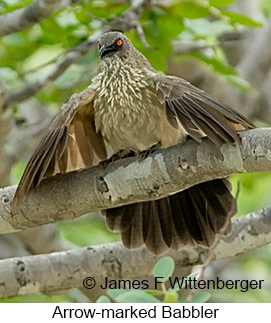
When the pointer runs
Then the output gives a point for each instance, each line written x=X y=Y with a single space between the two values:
x=157 y=60
x=220 y=3
x=155 y=292
x=160 y=27
x=237 y=18
x=17 y=169
x=201 y=297
x=225 y=70
x=113 y=293
x=103 y=299
x=217 y=65
x=193 y=9
x=171 y=297
x=239 y=82
x=182 y=282
x=182 y=300
x=52 y=31
x=136 y=297
x=265 y=6
x=85 y=232
x=206 y=28
x=164 y=268
x=254 y=191
x=157 y=56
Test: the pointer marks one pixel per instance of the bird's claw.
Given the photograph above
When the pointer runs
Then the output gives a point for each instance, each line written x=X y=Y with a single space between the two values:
x=119 y=155
x=145 y=153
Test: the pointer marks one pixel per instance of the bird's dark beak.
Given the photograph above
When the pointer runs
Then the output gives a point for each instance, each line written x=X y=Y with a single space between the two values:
x=106 y=51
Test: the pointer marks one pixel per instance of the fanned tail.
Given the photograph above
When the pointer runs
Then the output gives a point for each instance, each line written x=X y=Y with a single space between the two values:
x=189 y=218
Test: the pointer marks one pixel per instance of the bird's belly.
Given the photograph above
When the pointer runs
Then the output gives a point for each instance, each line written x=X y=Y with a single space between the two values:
x=137 y=129
x=128 y=113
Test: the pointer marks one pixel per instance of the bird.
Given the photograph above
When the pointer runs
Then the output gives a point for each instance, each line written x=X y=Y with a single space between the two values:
x=130 y=107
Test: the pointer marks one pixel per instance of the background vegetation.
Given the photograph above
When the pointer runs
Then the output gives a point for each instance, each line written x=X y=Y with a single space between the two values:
x=203 y=41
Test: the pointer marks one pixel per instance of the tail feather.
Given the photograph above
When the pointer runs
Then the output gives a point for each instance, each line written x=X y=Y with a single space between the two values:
x=154 y=239
x=180 y=214
x=163 y=214
x=133 y=237
x=222 y=203
x=198 y=227
x=120 y=219
x=192 y=217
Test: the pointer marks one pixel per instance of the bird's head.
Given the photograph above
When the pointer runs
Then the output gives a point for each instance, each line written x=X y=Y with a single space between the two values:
x=114 y=43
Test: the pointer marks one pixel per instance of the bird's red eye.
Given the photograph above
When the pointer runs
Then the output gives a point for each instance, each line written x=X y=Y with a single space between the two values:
x=119 y=43
x=98 y=46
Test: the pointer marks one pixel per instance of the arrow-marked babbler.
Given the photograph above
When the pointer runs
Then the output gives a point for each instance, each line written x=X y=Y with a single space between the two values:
x=129 y=106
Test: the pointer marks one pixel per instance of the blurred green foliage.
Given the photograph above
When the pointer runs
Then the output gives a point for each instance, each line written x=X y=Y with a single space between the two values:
x=254 y=191
x=87 y=230
x=28 y=56
x=163 y=268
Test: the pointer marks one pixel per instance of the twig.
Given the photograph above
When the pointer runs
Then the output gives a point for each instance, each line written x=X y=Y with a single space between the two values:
x=25 y=18
x=32 y=89
x=128 y=20
x=142 y=37
x=208 y=260
x=238 y=190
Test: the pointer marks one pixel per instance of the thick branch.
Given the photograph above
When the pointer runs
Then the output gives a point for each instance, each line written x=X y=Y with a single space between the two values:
x=25 y=18
x=67 y=196
x=63 y=270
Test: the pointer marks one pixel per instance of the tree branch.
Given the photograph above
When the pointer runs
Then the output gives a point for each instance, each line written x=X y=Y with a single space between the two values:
x=25 y=18
x=70 y=195
x=129 y=19
x=31 y=89
x=5 y=133
x=63 y=270
x=257 y=58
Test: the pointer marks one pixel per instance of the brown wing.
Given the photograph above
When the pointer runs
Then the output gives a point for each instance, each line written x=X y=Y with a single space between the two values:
x=71 y=142
x=199 y=113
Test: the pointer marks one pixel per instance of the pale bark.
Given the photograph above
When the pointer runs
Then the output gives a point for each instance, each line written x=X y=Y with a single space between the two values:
x=128 y=20
x=21 y=20
x=64 y=270
x=66 y=196
x=27 y=17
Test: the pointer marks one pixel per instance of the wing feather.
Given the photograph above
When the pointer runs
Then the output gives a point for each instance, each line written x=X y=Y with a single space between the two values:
x=72 y=148
x=63 y=161
x=84 y=143
x=69 y=140
x=199 y=113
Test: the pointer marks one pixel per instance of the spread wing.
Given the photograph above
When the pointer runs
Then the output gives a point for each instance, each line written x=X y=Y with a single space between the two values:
x=199 y=113
x=70 y=142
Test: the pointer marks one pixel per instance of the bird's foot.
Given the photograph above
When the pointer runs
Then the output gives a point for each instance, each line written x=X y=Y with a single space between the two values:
x=119 y=155
x=145 y=153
